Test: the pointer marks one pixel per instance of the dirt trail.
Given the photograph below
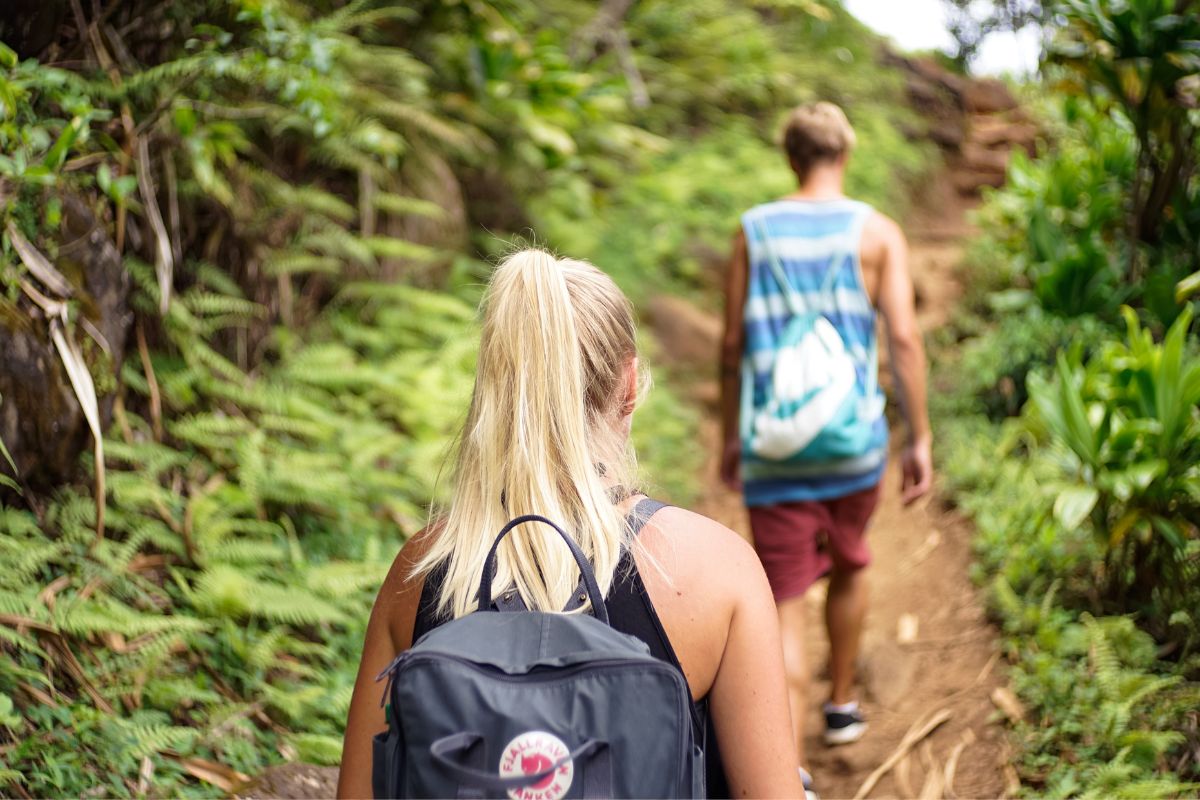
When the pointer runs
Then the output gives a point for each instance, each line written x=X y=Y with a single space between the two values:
x=920 y=571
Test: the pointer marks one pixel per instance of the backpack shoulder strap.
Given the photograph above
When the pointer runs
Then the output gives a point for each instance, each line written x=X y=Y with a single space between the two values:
x=635 y=519
x=785 y=286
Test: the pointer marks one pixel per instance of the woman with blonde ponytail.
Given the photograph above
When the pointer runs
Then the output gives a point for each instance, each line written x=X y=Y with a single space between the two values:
x=548 y=433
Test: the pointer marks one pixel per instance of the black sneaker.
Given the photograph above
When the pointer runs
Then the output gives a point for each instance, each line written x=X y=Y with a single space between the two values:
x=843 y=727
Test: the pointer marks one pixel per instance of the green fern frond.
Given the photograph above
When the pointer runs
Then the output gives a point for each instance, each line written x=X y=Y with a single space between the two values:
x=151 y=651
x=1134 y=692
x=1153 y=789
x=251 y=464
x=154 y=78
x=208 y=304
x=1103 y=658
x=224 y=591
x=345 y=579
x=1156 y=742
x=263 y=395
x=294 y=701
x=412 y=117
x=350 y=17
x=74 y=518
x=417 y=300
x=173 y=693
x=403 y=205
x=216 y=431
x=340 y=243
x=318 y=748
x=145 y=739
x=100 y=614
x=22 y=604
x=392 y=247
x=119 y=557
x=20 y=642
x=390 y=70
x=339 y=701
x=314 y=430
x=200 y=353
x=312 y=198
x=263 y=654
x=291 y=605
x=147 y=456
x=246 y=552
x=1109 y=776
x=340 y=153
x=216 y=279
x=17 y=523
x=23 y=563
x=301 y=262
x=132 y=490
x=214 y=528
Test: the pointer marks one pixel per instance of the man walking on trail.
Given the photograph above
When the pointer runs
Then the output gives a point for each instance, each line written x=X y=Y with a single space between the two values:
x=804 y=431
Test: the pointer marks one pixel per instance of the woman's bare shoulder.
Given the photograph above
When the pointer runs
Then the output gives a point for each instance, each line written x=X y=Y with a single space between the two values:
x=696 y=546
x=400 y=594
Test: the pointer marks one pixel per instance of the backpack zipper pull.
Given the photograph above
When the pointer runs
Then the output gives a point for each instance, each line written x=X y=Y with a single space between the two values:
x=389 y=672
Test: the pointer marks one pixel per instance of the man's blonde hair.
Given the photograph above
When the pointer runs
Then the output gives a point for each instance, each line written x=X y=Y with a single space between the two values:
x=816 y=132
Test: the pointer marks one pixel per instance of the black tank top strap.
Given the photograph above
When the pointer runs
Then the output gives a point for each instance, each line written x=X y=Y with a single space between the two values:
x=629 y=608
x=427 y=614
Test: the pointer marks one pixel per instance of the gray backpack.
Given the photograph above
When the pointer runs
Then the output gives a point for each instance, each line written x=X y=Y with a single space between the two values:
x=535 y=706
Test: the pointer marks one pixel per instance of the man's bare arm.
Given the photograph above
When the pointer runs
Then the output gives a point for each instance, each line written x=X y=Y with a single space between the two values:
x=897 y=304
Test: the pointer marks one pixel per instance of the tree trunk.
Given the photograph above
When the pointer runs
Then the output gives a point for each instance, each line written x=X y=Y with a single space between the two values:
x=41 y=422
x=30 y=26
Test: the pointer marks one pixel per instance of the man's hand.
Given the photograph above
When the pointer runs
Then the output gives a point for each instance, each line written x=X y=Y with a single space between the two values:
x=731 y=457
x=916 y=463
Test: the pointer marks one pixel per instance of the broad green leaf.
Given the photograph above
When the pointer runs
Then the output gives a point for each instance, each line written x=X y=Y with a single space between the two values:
x=1187 y=287
x=57 y=154
x=1169 y=531
x=1078 y=433
x=1073 y=504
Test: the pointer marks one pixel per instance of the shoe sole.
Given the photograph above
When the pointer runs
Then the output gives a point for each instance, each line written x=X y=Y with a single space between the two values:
x=846 y=735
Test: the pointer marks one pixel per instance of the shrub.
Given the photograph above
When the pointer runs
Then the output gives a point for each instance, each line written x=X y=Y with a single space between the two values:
x=1059 y=217
x=1127 y=424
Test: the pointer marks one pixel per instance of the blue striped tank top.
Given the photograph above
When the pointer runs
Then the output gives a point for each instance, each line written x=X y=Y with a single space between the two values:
x=809 y=238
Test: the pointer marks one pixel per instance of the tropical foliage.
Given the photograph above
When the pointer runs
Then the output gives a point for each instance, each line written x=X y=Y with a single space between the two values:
x=292 y=191
x=1073 y=440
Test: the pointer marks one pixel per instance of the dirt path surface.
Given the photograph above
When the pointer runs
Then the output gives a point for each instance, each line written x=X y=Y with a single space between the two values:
x=927 y=647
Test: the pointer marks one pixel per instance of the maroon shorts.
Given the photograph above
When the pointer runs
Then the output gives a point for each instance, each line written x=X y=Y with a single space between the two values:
x=801 y=541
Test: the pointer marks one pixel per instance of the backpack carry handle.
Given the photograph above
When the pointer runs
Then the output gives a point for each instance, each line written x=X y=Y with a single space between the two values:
x=599 y=610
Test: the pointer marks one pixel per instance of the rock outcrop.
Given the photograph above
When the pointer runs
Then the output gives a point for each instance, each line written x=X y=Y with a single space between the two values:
x=975 y=121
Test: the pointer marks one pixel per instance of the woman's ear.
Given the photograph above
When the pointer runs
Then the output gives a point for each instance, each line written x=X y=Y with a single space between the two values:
x=630 y=391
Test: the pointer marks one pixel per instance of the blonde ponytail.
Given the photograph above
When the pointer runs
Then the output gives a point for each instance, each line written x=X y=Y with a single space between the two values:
x=543 y=434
